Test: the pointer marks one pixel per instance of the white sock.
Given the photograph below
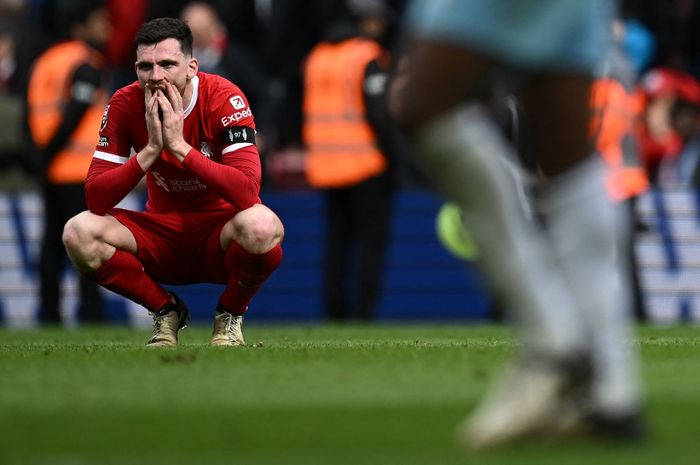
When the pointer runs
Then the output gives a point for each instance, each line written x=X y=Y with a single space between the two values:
x=464 y=155
x=586 y=230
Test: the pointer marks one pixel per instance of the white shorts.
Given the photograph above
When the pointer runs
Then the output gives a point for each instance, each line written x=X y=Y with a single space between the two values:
x=569 y=35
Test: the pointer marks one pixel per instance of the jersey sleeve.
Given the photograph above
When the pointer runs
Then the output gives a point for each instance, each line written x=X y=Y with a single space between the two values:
x=112 y=173
x=114 y=144
x=234 y=124
x=237 y=178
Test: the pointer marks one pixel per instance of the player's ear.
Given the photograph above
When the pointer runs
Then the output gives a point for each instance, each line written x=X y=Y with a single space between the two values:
x=192 y=68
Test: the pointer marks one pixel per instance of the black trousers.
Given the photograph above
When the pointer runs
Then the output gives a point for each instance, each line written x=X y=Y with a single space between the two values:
x=629 y=252
x=61 y=202
x=358 y=221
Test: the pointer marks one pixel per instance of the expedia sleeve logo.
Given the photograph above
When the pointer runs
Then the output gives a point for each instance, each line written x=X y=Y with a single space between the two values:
x=239 y=135
x=237 y=102
x=241 y=111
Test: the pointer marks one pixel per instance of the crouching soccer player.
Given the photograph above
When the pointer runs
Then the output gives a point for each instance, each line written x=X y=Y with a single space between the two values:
x=192 y=134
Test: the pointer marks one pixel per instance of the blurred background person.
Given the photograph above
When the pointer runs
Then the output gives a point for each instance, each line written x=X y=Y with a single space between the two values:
x=219 y=53
x=669 y=100
x=10 y=101
x=288 y=34
x=350 y=143
x=616 y=113
x=65 y=102
x=21 y=41
x=125 y=18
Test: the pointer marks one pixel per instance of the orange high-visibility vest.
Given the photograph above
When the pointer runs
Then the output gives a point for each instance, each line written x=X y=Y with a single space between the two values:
x=341 y=146
x=615 y=111
x=48 y=93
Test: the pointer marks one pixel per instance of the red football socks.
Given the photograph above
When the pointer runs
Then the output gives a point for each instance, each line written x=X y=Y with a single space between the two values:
x=124 y=274
x=247 y=272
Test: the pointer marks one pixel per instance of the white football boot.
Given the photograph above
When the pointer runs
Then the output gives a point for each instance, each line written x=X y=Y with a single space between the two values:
x=228 y=330
x=167 y=323
x=524 y=402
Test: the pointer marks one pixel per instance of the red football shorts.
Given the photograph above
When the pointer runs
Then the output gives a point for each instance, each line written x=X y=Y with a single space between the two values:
x=179 y=248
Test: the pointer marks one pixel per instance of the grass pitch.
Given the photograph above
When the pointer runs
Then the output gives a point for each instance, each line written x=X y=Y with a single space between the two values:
x=300 y=395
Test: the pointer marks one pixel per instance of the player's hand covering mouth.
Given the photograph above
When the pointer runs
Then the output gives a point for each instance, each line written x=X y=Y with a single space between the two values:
x=154 y=86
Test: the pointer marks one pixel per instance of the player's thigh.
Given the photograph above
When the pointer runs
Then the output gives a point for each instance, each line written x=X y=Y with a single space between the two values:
x=433 y=77
x=110 y=231
x=85 y=229
x=554 y=121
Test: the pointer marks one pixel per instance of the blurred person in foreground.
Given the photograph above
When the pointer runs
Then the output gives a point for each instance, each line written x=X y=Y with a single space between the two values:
x=192 y=135
x=65 y=102
x=575 y=370
x=350 y=142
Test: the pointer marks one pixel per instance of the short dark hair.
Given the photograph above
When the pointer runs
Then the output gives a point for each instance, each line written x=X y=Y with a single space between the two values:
x=159 y=29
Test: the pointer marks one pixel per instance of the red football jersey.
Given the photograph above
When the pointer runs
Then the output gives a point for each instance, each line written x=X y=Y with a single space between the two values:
x=218 y=124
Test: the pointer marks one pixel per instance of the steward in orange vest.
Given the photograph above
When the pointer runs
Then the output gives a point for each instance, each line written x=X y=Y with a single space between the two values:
x=617 y=112
x=616 y=109
x=65 y=107
x=341 y=146
x=349 y=141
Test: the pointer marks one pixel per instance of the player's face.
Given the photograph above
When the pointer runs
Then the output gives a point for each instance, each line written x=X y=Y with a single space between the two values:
x=164 y=61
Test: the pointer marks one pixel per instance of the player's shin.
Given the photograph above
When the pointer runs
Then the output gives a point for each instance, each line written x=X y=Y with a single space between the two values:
x=124 y=274
x=247 y=272
x=586 y=229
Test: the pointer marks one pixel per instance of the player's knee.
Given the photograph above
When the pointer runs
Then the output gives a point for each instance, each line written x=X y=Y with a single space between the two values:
x=263 y=232
x=258 y=231
x=71 y=236
x=74 y=232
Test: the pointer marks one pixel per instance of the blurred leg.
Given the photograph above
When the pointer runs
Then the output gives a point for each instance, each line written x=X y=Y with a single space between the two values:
x=462 y=152
x=338 y=241
x=372 y=211
x=90 y=302
x=91 y=308
x=52 y=256
x=585 y=228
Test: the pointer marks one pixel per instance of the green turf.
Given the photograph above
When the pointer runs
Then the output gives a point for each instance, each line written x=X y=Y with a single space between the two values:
x=299 y=395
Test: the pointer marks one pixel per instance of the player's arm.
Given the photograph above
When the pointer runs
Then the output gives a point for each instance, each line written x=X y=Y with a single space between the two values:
x=112 y=173
x=108 y=183
x=84 y=84
x=237 y=179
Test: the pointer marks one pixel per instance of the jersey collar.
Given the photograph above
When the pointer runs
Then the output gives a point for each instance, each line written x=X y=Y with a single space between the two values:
x=195 y=95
